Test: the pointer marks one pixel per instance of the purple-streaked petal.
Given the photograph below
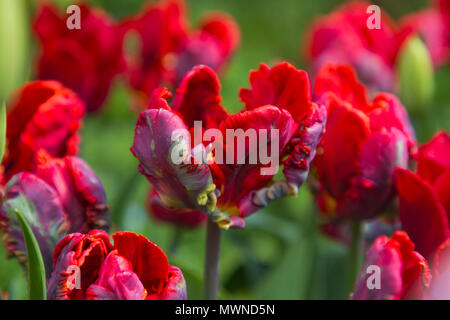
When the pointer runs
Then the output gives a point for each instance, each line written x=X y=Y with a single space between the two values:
x=41 y=207
x=184 y=185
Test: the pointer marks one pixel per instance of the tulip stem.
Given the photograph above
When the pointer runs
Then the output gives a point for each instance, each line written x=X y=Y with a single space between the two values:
x=123 y=198
x=212 y=261
x=356 y=250
x=175 y=240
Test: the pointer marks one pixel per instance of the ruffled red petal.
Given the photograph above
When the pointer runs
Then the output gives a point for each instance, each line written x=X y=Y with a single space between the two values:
x=76 y=251
x=337 y=159
x=198 y=98
x=148 y=260
x=43 y=115
x=341 y=80
x=116 y=281
x=434 y=157
x=422 y=215
x=282 y=86
x=241 y=179
x=224 y=28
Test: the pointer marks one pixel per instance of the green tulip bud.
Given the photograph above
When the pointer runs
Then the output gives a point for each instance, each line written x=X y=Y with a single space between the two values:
x=415 y=74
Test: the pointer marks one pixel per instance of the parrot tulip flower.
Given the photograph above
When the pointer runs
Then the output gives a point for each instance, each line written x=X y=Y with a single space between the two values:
x=424 y=209
x=343 y=37
x=289 y=89
x=363 y=143
x=135 y=268
x=403 y=273
x=433 y=26
x=424 y=196
x=167 y=48
x=42 y=115
x=227 y=191
x=85 y=59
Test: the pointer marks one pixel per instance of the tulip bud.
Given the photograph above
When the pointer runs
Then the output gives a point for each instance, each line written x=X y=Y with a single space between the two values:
x=415 y=74
x=12 y=45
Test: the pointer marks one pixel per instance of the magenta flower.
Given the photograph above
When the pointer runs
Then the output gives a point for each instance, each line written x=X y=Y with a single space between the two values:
x=404 y=273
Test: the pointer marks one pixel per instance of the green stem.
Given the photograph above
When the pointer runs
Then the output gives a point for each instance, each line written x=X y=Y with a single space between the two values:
x=313 y=238
x=211 y=277
x=175 y=241
x=356 y=251
x=124 y=195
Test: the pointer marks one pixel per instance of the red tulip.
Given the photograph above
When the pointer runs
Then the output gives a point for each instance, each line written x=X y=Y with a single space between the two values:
x=444 y=8
x=433 y=26
x=135 y=268
x=237 y=189
x=344 y=37
x=425 y=209
x=403 y=273
x=86 y=59
x=363 y=143
x=168 y=48
x=42 y=115
x=289 y=89
x=424 y=204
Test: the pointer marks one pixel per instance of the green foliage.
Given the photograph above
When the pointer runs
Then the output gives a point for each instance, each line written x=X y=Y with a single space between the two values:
x=2 y=129
x=37 y=289
x=13 y=45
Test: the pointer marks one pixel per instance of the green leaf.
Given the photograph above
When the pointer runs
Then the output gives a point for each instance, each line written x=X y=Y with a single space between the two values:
x=2 y=130
x=36 y=269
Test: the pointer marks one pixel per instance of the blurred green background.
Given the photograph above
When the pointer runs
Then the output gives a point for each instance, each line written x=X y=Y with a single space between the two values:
x=280 y=254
